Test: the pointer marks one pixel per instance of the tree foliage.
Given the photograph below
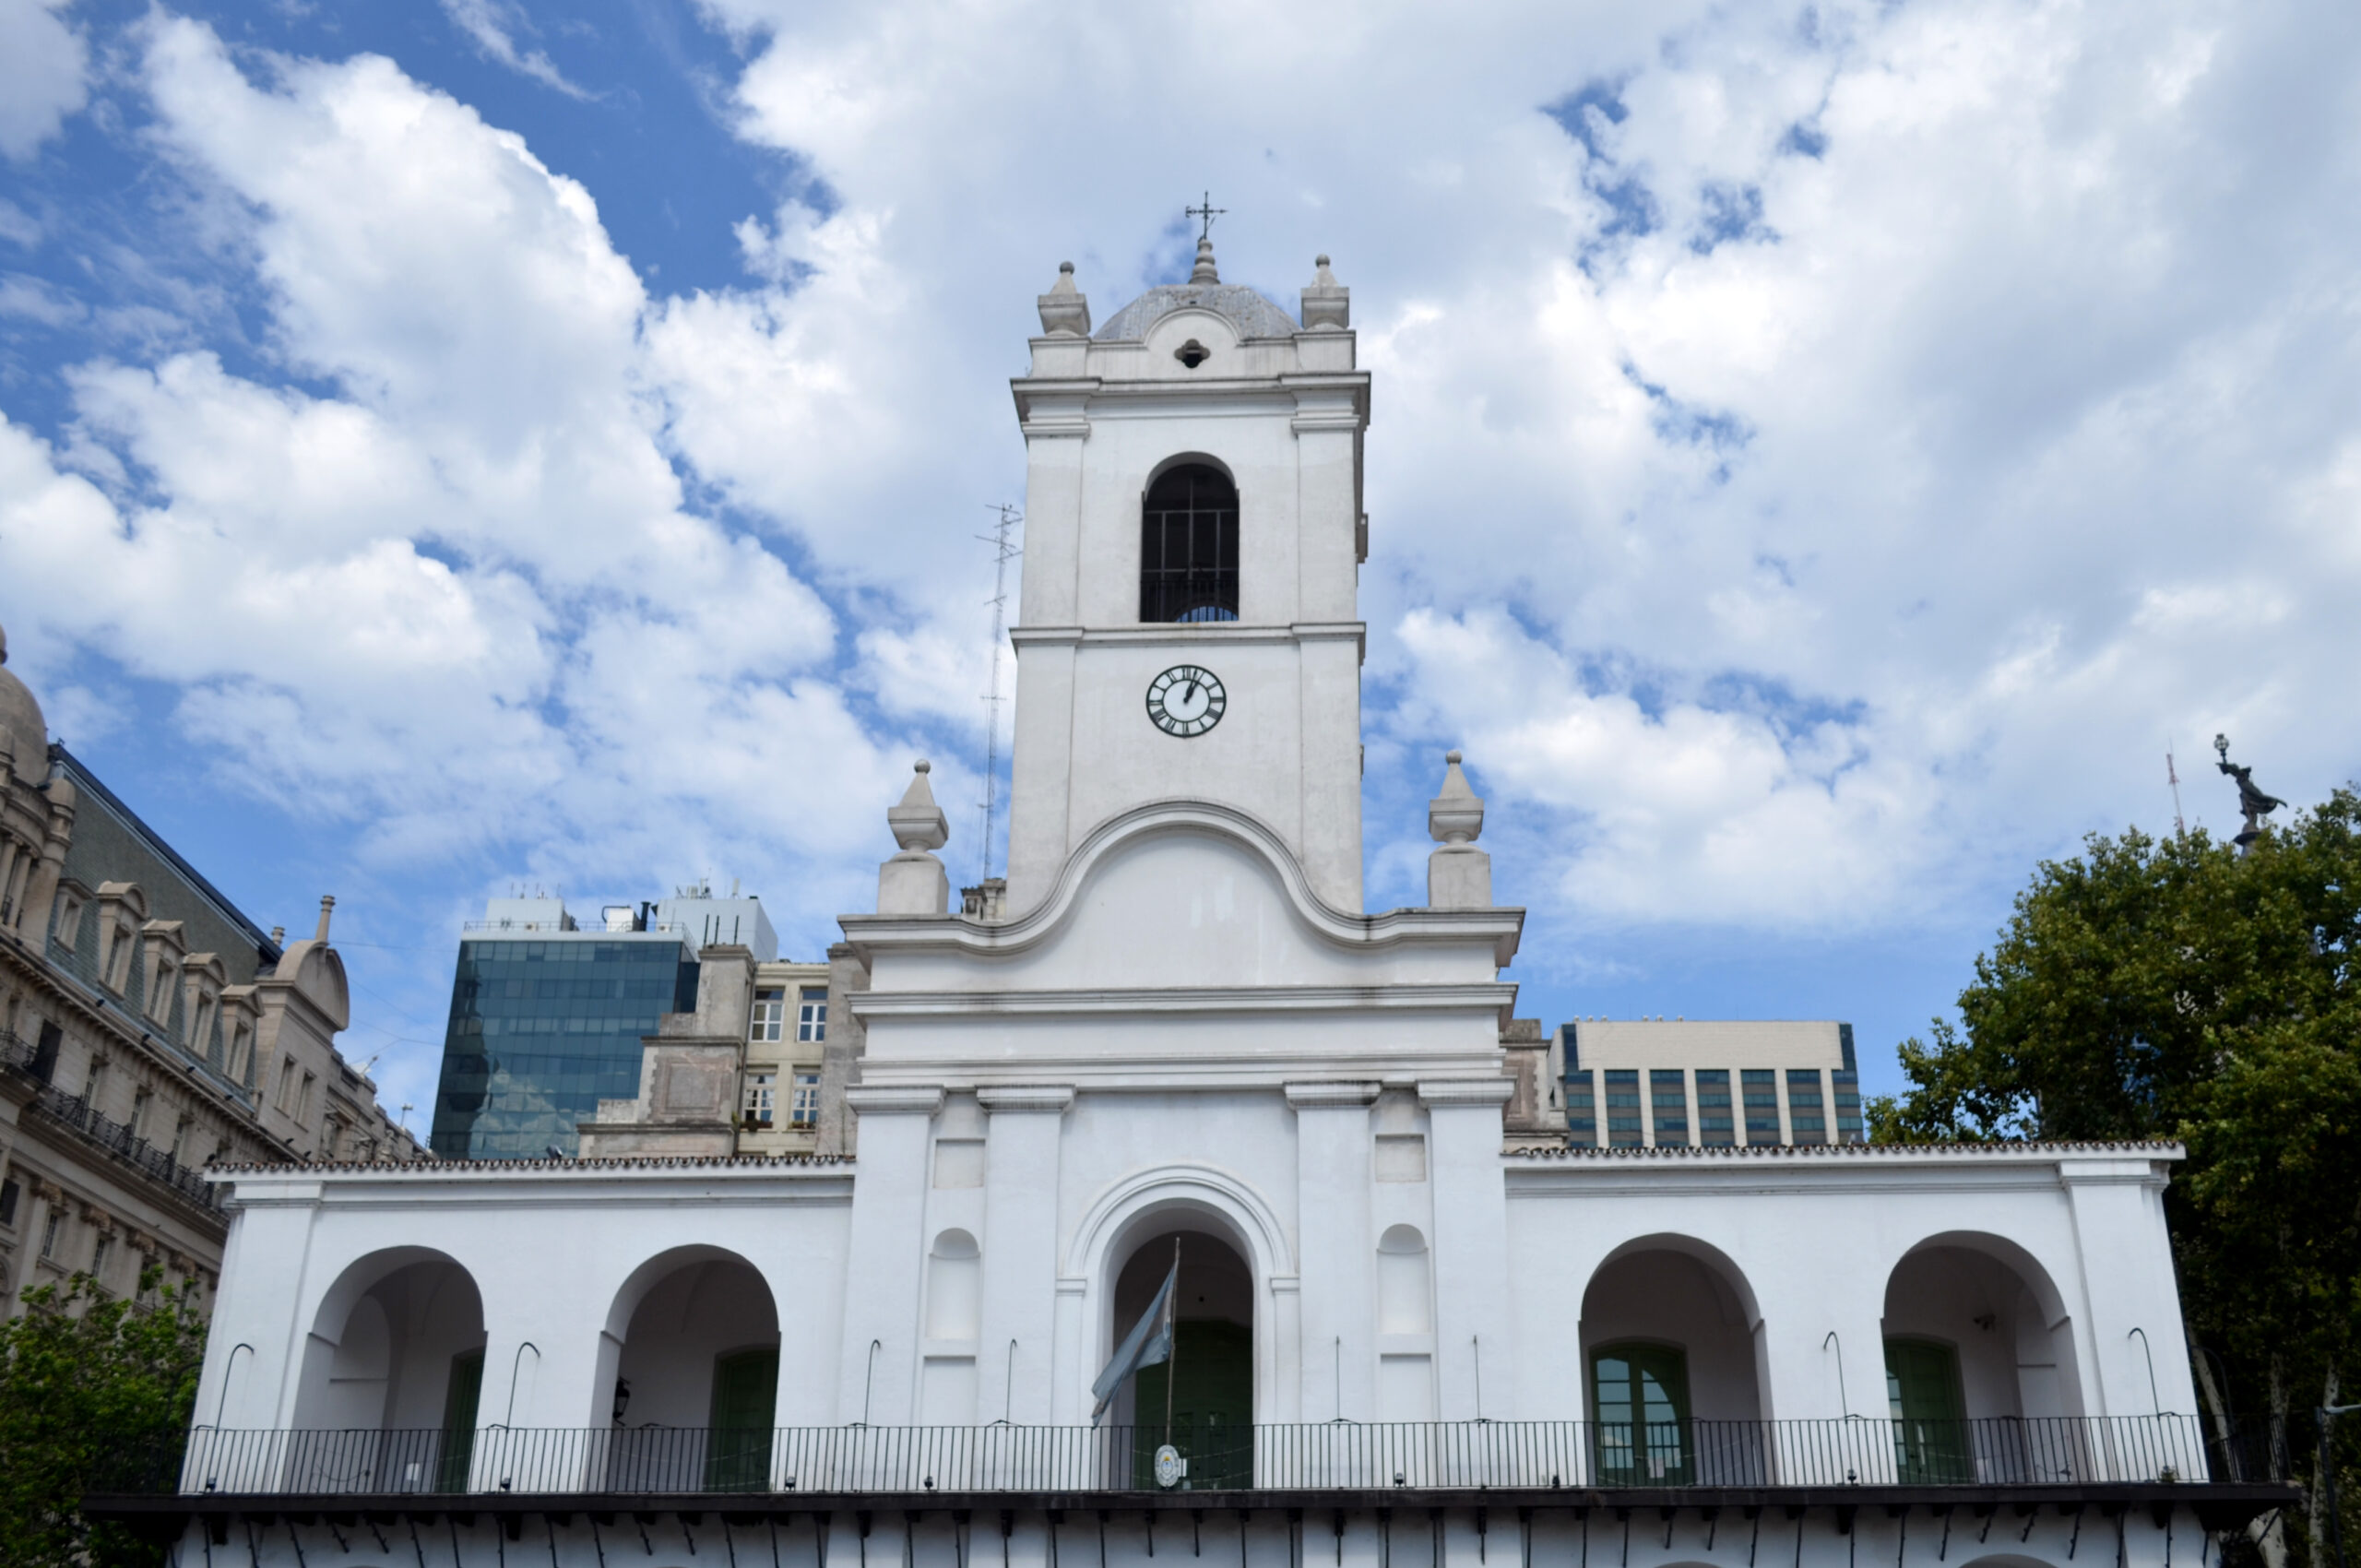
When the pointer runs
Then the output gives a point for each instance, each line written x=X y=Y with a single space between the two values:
x=2175 y=989
x=86 y=1381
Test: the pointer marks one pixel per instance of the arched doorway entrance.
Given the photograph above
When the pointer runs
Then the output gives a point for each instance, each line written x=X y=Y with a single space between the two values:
x=1202 y=1400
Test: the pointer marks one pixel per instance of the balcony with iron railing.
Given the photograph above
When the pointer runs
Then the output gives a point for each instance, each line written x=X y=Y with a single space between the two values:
x=2016 y=1455
x=117 y=1138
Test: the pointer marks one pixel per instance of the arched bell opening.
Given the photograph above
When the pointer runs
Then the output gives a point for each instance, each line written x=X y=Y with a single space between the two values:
x=1189 y=546
x=1200 y=1400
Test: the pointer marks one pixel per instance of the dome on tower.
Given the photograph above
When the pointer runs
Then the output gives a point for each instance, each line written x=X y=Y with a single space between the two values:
x=1246 y=309
x=21 y=713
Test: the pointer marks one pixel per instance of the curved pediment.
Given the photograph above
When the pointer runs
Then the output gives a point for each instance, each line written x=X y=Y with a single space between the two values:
x=1190 y=894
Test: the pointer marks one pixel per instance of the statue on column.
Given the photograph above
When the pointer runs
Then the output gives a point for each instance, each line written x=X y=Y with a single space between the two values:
x=2251 y=799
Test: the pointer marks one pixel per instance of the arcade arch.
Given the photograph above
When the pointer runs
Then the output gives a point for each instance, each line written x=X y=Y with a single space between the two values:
x=392 y=1376
x=1980 y=1354
x=1672 y=1355
x=691 y=1350
x=1202 y=1399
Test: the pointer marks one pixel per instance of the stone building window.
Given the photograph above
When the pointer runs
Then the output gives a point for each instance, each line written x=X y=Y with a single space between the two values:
x=812 y=1014
x=804 y=1110
x=770 y=1015
x=1189 y=546
x=51 y=1230
x=760 y=1088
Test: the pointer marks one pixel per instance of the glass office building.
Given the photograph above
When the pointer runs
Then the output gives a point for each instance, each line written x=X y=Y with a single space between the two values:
x=543 y=1028
x=1669 y=1085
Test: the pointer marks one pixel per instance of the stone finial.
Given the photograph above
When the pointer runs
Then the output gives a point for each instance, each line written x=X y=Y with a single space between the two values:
x=1327 y=304
x=1459 y=875
x=1065 y=313
x=918 y=823
x=328 y=908
x=913 y=882
x=1205 y=272
x=1455 y=816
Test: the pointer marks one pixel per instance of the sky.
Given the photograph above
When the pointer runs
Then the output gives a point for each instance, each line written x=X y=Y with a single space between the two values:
x=1823 y=454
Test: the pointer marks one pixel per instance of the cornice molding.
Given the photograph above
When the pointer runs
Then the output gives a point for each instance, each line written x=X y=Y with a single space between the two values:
x=1026 y=1098
x=1485 y=995
x=1466 y=1091
x=894 y=1100
x=1330 y=1095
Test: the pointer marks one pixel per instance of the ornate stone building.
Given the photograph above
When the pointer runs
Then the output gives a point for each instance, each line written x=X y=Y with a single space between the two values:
x=147 y=1029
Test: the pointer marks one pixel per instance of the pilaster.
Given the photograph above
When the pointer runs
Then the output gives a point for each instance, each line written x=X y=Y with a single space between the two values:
x=885 y=1261
x=1337 y=1249
x=1473 y=1354
x=1020 y=1259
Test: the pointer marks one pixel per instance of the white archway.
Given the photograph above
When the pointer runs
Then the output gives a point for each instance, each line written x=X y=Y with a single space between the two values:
x=1181 y=1196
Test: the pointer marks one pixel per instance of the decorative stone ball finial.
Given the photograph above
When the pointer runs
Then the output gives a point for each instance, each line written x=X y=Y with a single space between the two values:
x=1205 y=271
x=918 y=823
x=1064 y=312
x=1327 y=304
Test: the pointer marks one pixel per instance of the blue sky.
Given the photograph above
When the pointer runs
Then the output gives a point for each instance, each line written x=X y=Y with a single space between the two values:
x=1822 y=454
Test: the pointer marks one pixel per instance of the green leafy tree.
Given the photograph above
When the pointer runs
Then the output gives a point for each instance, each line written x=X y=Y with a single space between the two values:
x=2176 y=988
x=88 y=1383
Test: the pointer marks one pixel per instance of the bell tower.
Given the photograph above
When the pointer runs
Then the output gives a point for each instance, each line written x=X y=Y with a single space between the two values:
x=1188 y=626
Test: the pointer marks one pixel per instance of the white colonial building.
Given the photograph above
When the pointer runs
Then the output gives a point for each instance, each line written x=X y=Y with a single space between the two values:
x=1410 y=1317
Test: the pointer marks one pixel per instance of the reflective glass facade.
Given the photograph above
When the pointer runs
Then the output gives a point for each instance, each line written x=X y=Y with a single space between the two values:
x=1715 y=1127
x=1582 y=1111
x=541 y=1032
x=1668 y=1103
x=1623 y=1109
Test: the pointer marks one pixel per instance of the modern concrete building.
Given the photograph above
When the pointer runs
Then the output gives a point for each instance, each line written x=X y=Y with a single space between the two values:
x=1649 y=1084
x=1177 y=1087
x=147 y=1031
x=548 y=1017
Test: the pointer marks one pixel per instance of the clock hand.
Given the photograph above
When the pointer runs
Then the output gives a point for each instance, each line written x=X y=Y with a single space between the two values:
x=1186 y=688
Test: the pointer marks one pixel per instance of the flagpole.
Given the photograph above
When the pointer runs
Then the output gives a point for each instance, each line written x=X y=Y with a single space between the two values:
x=1172 y=1329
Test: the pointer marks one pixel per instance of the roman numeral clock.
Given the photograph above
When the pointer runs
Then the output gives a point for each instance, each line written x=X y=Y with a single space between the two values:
x=1186 y=700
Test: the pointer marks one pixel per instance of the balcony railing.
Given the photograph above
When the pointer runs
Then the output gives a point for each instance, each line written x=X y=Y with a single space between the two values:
x=118 y=1140
x=2170 y=1450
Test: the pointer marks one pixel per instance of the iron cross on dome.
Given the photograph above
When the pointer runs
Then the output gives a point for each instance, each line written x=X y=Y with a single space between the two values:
x=1208 y=212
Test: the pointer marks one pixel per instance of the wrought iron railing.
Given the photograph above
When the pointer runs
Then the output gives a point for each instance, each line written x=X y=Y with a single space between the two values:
x=2011 y=1451
x=119 y=1140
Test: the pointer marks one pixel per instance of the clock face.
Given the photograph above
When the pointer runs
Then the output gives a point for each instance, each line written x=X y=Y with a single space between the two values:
x=1186 y=700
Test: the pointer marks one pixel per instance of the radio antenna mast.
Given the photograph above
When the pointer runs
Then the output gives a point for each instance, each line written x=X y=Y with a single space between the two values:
x=2180 y=828
x=1004 y=550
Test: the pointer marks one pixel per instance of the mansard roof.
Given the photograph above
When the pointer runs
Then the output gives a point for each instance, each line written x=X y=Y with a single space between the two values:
x=1247 y=309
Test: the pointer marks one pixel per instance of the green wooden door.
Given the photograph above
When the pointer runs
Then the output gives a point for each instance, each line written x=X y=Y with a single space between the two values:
x=1642 y=1402
x=460 y=1395
x=1931 y=1431
x=1212 y=1407
x=738 y=1446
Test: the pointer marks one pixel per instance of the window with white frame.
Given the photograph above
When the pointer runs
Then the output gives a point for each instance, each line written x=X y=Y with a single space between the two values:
x=804 y=1110
x=50 y=1231
x=770 y=1015
x=811 y=1014
x=760 y=1089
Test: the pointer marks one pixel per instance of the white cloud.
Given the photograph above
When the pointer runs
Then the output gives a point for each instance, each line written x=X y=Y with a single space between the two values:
x=44 y=67
x=459 y=595
x=1834 y=481
x=494 y=27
